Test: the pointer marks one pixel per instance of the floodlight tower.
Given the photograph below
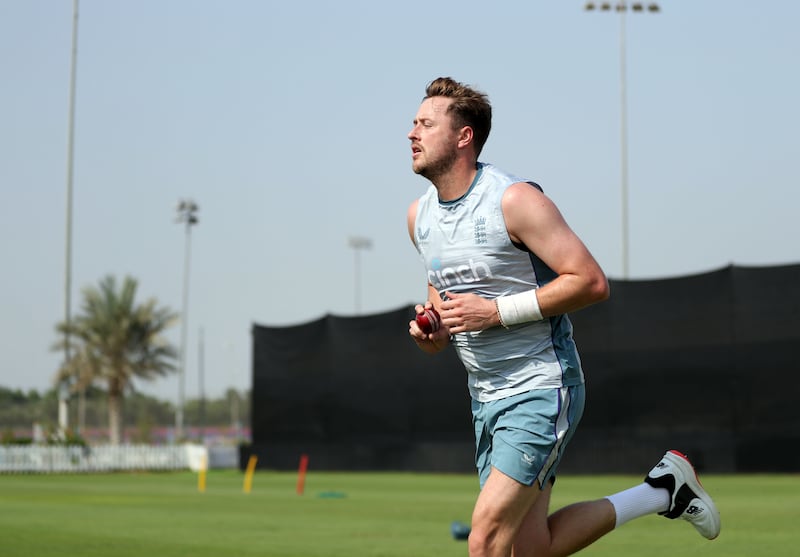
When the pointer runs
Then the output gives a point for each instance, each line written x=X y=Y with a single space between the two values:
x=358 y=243
x=621 y=8
x=187 y=214
x=63 y=392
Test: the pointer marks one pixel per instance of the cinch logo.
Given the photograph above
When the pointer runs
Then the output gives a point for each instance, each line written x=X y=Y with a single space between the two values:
x=462 y=274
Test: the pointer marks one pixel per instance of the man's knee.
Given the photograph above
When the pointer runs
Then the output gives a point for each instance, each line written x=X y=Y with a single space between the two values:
x=484 y=540
x=492 y=533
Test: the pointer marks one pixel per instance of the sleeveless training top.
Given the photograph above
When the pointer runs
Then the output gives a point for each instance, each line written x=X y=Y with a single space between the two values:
x=465 y=247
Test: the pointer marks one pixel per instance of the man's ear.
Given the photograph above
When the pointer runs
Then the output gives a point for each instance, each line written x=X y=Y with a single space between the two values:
x=465 y=137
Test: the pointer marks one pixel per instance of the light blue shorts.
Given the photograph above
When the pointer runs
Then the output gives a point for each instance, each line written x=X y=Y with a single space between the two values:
x=524 y=435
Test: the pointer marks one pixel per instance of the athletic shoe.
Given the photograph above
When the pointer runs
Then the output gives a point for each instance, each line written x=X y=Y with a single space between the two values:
x=688 y=499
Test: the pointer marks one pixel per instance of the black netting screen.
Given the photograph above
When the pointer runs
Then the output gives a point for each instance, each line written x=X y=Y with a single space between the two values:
x=355 y=381
x=705 y=363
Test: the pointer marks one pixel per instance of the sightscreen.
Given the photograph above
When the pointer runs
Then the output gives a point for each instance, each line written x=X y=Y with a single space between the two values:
x=705 y=363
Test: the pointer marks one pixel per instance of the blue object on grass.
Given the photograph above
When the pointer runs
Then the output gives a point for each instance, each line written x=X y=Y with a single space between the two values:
x=459 y=530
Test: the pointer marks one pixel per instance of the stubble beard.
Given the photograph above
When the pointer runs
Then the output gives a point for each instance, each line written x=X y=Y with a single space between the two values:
x=435 y=169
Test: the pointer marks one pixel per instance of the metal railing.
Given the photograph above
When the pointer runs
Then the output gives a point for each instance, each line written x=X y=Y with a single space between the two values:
x=108 y=458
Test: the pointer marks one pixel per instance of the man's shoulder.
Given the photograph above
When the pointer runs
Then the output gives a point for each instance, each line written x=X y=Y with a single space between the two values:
x=492 y=174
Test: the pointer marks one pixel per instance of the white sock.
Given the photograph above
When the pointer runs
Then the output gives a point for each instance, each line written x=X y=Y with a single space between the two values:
x=638 y=501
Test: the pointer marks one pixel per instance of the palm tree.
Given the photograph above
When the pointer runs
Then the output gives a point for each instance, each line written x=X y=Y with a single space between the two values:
x=113 y=340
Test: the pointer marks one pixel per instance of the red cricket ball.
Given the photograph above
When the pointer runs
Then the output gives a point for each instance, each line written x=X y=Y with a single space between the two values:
x=429 y=321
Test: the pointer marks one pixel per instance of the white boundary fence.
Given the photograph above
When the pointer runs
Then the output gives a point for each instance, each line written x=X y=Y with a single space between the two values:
x=112 y=458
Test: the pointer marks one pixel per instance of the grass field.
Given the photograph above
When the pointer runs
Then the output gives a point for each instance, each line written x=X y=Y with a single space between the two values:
x=347 y=515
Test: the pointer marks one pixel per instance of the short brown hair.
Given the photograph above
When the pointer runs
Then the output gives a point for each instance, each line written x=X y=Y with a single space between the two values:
x=470 y=107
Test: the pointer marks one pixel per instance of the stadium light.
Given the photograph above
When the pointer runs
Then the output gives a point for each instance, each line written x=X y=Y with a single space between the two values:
x=187 y=214
x=621 y=8
x=358 y=243
x=63 y=392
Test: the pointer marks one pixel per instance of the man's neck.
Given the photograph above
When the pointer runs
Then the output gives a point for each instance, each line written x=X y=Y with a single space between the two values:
x=456 y=182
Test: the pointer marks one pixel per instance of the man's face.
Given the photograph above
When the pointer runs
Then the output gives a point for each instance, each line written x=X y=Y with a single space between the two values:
x=433 y=139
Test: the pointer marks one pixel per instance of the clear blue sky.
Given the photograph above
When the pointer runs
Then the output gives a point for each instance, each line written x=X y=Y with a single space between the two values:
x=286 y=122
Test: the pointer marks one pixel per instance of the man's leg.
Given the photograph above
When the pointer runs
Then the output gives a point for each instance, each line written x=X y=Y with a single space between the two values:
x=502 y=505
x=509 y=514
x=564 y=532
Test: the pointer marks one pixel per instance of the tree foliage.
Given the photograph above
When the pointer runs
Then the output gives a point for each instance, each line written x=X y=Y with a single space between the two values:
x=113 y=341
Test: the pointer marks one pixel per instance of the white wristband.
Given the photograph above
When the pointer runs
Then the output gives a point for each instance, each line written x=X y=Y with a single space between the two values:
x=518 y=308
